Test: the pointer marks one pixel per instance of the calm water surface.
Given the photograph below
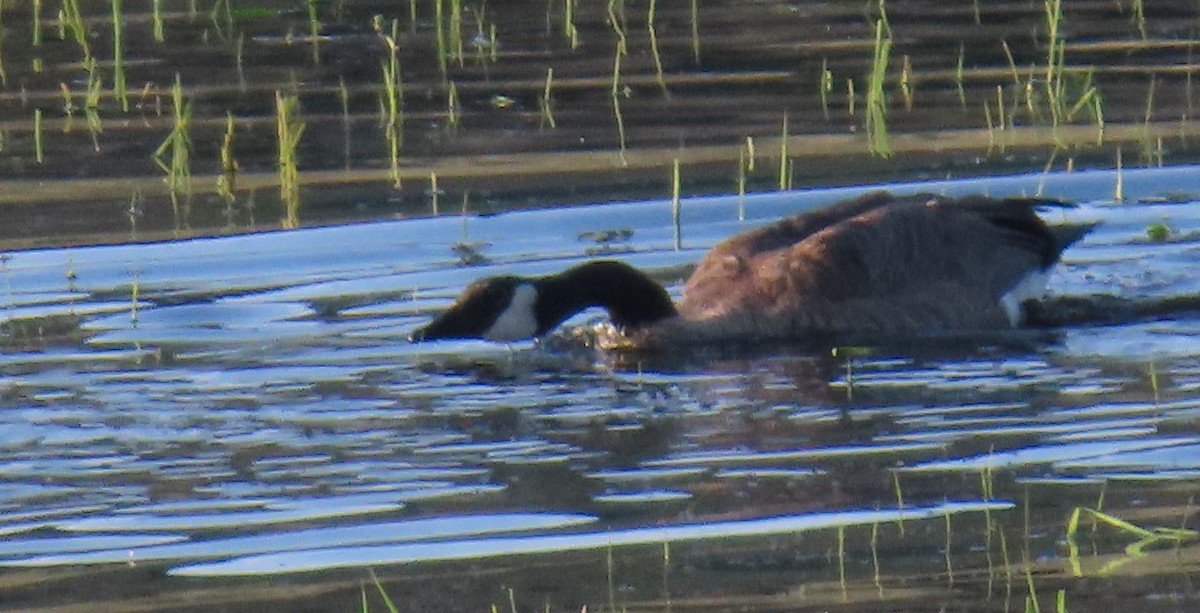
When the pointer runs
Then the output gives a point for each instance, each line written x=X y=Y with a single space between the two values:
x=240 y=421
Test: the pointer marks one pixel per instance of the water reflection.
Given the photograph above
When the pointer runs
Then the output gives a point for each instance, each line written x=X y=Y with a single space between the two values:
x=486 y=548
x=265 y=413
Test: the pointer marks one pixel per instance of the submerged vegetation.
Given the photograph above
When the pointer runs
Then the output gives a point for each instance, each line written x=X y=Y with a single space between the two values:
x=668 y=76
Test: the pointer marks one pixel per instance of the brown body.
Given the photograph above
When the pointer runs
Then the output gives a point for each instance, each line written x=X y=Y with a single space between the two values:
x=877 y=265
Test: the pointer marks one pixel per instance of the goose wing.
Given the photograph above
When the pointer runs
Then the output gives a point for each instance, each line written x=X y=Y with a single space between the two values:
x=725 y=279
x=879 y=251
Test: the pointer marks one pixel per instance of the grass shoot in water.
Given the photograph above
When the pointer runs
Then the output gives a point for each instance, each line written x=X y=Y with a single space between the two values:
x=133 y=212
x=452 y=107
x=392 y=104
x=36 y=37
x=1158 y=233
x=906 y=82
x=118 y=58
x=783 y=154
x=611 y=574
x=666 y=583
x=878 y=576
x=696 y=31
x=1055 y=62
x=949 y=547
x=1119 y=188
x=1031 y=598
x=1139 y=17
x=239 y=55
x=91 y=108
x=1096 y=103
x=616 y=99
x=958 y=77
x=314 y=31
x=493 y=44
x=741 y=184
x=484 y=41
x=464 y=244
x=134 y=291
x=620 y=52
x=546 y=104
x=991 y=127
x=850 y=97
x=676 y=213
x=72 y=21
x=387 y=600
x=456 y=33
x=433 y=193
x=825 y=87
x=344 y=98
x=227 y=180
x=1012 y=62
x=68 y=107
x=1147 y=538
x=440 y=36
x=221 y=17
x=3 y=72
x=38 y=153
x=289 y=127
x=177 y=145
x=1145 y=141
x=841 y=556
x=156 y=21
x=1003 y=117
x=878 y=140
x=653 y=34
x=569 y=28
x=745 y=166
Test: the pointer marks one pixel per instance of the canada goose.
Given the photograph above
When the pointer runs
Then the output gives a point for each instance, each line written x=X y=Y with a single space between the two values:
x=876 y=265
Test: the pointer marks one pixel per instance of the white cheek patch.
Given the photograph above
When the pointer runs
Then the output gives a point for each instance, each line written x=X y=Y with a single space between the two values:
x=518 y=321
x=1031 y=287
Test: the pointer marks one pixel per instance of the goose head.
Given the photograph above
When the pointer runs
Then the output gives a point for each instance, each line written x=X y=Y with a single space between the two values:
x=511 y=308
x=497 y=308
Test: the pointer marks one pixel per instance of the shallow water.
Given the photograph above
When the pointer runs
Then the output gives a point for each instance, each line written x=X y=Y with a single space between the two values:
x=238 y=424
x=248 y=406
x=522 y=116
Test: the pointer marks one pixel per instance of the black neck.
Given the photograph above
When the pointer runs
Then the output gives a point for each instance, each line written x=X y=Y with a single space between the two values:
x=632 y=299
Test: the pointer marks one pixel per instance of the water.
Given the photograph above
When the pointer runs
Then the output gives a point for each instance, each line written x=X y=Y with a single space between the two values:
x=249 y=406
x=477 y=129
x=238 y=423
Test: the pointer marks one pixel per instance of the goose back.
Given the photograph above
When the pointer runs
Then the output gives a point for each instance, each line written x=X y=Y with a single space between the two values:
x=878 y=262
